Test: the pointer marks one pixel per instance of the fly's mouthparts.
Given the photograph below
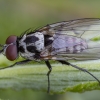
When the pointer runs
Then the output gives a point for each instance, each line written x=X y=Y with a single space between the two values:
x=3 y=47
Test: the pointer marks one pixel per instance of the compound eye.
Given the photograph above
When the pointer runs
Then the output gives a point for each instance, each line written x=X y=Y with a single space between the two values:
x=11 y=50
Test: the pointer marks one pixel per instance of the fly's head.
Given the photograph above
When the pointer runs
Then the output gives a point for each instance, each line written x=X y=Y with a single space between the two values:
x=10 y=49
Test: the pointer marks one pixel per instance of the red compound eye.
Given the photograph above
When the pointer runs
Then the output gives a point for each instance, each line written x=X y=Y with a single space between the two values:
x=11 y=50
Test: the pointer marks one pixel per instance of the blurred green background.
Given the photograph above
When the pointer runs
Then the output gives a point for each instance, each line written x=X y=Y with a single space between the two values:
x=16 y=16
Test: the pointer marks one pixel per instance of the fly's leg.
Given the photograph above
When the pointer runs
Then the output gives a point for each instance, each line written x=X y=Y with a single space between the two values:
x=50 y=69
x=82 y=69
x=17 y=63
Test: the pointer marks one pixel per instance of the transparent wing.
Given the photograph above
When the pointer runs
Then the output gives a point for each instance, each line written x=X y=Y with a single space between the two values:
x=75 y=39
x=75 y=48
x=85 y=28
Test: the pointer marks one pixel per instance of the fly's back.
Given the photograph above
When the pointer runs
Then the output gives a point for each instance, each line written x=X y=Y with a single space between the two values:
x=30 y=45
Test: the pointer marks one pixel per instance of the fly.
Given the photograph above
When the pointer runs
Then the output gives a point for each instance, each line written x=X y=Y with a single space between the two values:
x=62 y=41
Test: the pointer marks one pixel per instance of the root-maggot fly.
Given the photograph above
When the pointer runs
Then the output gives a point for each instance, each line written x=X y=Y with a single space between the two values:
x=63 y=41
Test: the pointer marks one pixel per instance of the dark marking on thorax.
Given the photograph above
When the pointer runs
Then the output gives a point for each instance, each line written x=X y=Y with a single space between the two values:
x=48 y=40
x=31 y=39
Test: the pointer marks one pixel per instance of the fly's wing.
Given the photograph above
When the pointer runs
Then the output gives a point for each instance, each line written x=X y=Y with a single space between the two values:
x=87 y=28
x=83 y=31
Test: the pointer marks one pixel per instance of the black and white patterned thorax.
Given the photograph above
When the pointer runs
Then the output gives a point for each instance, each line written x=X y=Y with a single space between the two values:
x=30 y=45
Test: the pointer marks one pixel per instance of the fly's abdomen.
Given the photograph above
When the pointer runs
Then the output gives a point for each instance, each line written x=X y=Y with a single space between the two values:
x=68 y=44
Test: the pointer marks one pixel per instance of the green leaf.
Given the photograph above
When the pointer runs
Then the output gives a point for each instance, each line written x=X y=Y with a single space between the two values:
x=62 y=78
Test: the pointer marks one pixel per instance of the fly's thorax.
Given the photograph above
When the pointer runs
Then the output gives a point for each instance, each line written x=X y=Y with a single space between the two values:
x=30 y=45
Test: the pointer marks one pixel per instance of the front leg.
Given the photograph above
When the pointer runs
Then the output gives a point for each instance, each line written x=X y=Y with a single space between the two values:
x=17 y=63
x=50 y=69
